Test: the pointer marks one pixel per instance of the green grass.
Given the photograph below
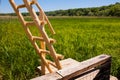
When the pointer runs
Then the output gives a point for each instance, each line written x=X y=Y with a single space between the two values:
x=78 y=38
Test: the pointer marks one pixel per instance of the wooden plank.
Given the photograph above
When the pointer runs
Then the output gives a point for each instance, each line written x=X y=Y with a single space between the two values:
x=70 y=64
x=50 y=76
x=72 y=71
x=64 y=63
x=92 y=75
x=55 y=76
x=89 y=76
x=113 y=78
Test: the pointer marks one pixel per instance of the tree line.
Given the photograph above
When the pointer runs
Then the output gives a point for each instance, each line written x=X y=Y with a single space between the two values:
x=110 y=10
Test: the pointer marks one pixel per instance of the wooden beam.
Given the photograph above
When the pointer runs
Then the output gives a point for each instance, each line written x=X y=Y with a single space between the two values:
x=30 y=23
x=86 y=70
x=50 y=76
x=21 y=6
x=65 y=64
x=83 y=66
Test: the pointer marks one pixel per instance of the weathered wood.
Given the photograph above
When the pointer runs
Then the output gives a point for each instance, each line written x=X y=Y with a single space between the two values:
x=104 y=73
x=50 y=76
x=64 y=63
x=92 y=75
x=55 y=76
x=113 y=78
x=101 y=62
x=83 y=66
x=89 y=76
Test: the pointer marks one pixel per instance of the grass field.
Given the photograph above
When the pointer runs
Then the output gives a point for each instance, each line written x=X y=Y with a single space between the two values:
x=78 y=38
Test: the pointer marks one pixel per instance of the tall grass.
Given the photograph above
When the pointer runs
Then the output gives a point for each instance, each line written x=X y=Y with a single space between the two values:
x=18 y=59
x=78 y=38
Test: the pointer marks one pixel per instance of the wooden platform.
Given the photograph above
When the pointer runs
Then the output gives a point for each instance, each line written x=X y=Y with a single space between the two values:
x=85 y=78
x=86 y=70
x=65 y=64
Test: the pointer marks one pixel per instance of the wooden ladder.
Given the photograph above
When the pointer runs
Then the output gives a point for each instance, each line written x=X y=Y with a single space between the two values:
x=45 y=41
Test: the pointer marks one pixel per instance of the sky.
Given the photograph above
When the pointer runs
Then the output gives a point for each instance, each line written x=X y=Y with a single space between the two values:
x=51 y=5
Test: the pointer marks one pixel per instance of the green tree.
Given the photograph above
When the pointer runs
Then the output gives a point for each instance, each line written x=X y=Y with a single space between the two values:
x=115 y=10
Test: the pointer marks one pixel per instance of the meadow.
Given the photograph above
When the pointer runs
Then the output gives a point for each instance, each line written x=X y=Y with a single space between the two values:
x=77 y=38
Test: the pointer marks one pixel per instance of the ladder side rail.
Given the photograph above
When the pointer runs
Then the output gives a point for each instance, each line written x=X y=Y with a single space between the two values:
x=20 y=17
x=43 y=46
x=49 y=24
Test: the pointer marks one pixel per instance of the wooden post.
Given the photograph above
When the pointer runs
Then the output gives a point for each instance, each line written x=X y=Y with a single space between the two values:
x=43 y=55
x=104 y=73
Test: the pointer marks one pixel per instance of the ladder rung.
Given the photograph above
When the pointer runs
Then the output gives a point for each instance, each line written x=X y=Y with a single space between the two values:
x=44 y=51
x=21 y=6
x=30 y=23
x=41 y=39
x=33 y=2
x=37 y=38
x=60 y=56
x=52 y=63
x=52 y=40
x=43 y=22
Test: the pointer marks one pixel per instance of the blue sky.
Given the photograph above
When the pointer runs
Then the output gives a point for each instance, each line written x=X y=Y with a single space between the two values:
x=50 y=5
